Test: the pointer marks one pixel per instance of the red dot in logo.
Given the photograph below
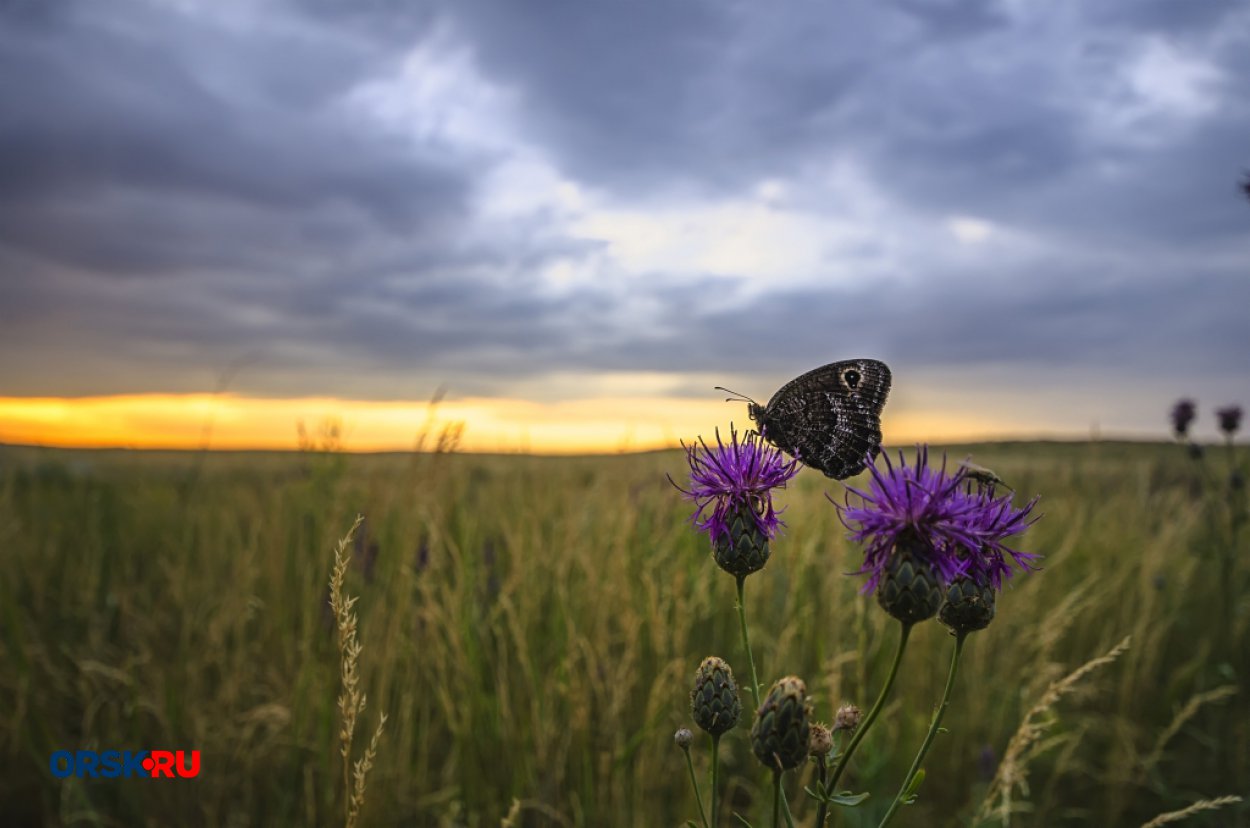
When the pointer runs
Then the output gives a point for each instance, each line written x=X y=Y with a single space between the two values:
x=149 y=764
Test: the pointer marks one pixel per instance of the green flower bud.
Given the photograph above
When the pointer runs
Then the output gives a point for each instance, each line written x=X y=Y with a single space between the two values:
x=781 y=735
x=969 y=606
x=714 y=699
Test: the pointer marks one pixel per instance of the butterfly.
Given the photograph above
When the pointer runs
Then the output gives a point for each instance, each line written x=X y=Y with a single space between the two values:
x=830 y=417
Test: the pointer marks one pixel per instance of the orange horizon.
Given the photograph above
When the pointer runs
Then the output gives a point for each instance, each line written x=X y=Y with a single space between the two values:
x=490 y=425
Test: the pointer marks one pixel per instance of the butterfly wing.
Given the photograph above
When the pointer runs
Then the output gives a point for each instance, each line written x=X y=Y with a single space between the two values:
x=830 y=417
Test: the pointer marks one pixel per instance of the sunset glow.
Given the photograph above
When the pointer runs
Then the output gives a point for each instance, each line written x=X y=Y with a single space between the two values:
x=604 y=424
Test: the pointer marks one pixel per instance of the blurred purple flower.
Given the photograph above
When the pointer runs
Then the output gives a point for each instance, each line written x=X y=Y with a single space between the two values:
x=1230 y=419
x=740 y=474
x=1183 y=413
x=957 y=528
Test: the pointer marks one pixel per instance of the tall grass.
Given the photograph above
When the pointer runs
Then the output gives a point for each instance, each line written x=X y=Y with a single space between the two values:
x=531 y=626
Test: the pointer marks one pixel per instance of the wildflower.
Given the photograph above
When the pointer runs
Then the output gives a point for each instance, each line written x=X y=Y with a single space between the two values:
x=1230 y=419
x=714 y=700
x=1183 y=413
x=732 y=486
x=924 y=528
x=781 y=735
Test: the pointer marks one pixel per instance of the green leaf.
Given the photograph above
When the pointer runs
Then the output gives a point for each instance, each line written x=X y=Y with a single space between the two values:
x=914 y=786
x=847 y=799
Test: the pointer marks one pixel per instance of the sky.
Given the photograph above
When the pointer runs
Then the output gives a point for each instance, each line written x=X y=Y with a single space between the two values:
x=561 y=222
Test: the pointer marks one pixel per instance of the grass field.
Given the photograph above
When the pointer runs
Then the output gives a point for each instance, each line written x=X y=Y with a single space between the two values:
x=531 y=625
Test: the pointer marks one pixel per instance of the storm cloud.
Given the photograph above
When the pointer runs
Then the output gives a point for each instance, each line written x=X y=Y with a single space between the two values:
x=373 y=199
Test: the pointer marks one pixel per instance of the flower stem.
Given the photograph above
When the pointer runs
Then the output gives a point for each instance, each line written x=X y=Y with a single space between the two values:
x=755 y=681
x=933 y=729
x=715 y=772
x=858 y=736
x=776 y=798
x=746 y=640
x=695 y=783
x=822 y=769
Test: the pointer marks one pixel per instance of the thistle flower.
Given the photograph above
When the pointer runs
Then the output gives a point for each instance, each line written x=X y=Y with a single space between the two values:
x=714 y=700
x=1230 y=419
x=731 y=486
x=1183 y=413
x=781 y=735
x=923 y=528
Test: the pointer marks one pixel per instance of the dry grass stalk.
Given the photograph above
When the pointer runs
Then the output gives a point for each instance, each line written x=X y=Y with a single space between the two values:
x=1187 y=713
x=1197 y=807
x=351 y=700
x=1012 y=773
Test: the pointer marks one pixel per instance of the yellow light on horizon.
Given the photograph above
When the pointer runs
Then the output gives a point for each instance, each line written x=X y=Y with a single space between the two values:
x=228 y=421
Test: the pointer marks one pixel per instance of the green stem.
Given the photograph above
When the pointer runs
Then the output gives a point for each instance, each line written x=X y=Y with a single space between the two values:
x=822 y=769
x=858 y=736
x=715 y=772
x=755 y=681
x=695 y=783
x=746 y=640
x=933 y=729
x=776 y=798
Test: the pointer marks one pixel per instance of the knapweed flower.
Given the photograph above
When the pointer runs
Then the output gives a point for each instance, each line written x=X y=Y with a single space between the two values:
x=731 y=486
x=1230 y=419
x=1183 y=413
x=924 y=527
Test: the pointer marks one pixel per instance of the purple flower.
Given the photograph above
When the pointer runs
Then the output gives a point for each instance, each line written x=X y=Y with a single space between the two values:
x=727 y=478
x=1183 y=414
x=1230 y=419
x=958 y=529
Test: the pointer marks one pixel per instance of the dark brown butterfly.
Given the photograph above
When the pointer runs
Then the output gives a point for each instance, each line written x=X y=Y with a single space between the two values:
x=828 y=418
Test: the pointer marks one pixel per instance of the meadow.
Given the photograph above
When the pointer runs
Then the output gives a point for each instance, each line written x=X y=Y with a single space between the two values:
x=531 y=625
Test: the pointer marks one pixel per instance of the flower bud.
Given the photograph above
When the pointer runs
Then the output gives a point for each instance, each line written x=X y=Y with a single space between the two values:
x=969 y=606
x=820 y=742
x=781 y=735
x=714 y=699
x=847 y=718
x=683 y=738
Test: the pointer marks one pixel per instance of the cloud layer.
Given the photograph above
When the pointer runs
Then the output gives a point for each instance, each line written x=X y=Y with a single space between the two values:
x=1033 y=203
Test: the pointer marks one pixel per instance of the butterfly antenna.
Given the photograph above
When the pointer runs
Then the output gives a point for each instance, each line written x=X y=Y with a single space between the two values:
x=735 y=396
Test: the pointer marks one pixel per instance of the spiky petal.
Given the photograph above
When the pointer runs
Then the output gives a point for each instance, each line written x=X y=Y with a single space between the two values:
x=736 y=479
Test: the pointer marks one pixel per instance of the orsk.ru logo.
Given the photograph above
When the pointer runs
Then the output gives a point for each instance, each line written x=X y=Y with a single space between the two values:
x=111 y=764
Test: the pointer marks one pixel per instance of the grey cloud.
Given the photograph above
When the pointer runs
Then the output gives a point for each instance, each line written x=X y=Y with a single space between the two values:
x=179 y=193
